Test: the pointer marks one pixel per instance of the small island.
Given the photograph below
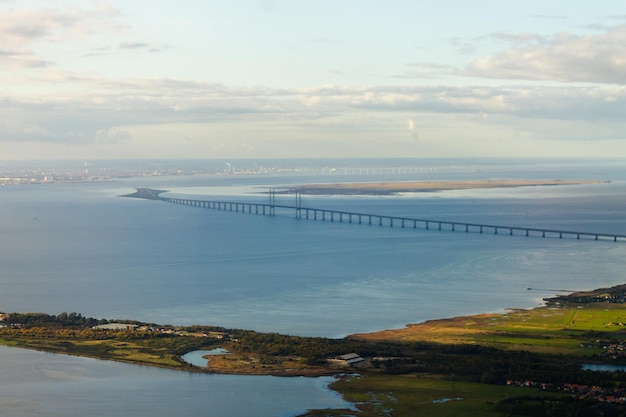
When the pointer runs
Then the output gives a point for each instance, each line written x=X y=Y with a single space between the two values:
x=518 y=363
x=146 y=193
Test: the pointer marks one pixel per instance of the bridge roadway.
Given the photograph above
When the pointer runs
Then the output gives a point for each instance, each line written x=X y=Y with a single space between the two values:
x=392 y=221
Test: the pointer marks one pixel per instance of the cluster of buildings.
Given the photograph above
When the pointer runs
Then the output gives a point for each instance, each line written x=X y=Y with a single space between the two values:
x=612 y=349
x=163 y=330
x=593 y=392
x=580 y=391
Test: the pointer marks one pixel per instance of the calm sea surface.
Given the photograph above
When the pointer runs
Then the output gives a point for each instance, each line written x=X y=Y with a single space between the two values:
x=79 y=247
x=44 y=384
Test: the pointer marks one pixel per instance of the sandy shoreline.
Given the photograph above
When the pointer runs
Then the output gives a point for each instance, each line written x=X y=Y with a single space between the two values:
x=387 y=188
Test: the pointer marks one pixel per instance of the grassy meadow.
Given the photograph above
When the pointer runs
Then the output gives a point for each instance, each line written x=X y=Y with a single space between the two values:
x=422 y=395
x=541 y=330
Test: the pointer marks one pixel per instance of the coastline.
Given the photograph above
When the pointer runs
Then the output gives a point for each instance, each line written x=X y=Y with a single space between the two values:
x=465 y=328
x=249 y=356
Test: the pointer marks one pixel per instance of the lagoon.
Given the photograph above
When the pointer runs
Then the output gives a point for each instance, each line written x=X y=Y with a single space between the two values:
x=197 y=357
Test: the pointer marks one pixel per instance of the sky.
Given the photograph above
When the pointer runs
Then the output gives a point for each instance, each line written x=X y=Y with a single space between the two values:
x=113 y=79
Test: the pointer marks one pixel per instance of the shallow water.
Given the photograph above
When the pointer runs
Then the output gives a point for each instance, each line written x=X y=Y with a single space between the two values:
x=49 y=385
x=197 y=357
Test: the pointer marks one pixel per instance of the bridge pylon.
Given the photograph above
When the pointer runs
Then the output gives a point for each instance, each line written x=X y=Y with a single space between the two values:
x=272 y=194
x=298 y=204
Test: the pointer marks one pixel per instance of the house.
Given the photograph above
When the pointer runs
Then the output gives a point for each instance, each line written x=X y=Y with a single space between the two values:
x=219 y=335
x=117 y=326
x=349 y=359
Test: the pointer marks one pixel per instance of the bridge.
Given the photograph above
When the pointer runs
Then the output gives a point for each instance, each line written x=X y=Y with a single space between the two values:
x=341 y=216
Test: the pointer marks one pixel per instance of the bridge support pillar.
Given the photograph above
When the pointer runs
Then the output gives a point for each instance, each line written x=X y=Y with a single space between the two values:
x=270 y=209
x=298 y=204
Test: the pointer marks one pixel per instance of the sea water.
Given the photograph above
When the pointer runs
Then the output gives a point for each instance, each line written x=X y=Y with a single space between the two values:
x=44 y=384
x=80 y=247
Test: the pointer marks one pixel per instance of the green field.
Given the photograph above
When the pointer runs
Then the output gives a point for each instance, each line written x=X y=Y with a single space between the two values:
x=399 y=396
x=555 y=330
x=139 y=352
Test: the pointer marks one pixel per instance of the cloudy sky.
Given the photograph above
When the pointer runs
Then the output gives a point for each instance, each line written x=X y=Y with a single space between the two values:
x=83 y=79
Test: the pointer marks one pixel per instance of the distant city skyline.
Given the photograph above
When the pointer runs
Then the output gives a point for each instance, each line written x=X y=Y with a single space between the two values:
x=113 y=79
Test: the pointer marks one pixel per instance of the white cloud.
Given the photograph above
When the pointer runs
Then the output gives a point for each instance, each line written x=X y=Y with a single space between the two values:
x=412 y=128
x=90 y=106
x=110 y=136
x=597 y=58
x=22 y=29
x=54 y=93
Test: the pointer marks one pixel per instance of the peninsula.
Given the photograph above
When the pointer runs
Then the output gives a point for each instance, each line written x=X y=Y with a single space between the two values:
x=518 y=363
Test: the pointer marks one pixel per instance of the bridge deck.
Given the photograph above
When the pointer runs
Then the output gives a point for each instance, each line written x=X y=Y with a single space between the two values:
x=392 y=221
